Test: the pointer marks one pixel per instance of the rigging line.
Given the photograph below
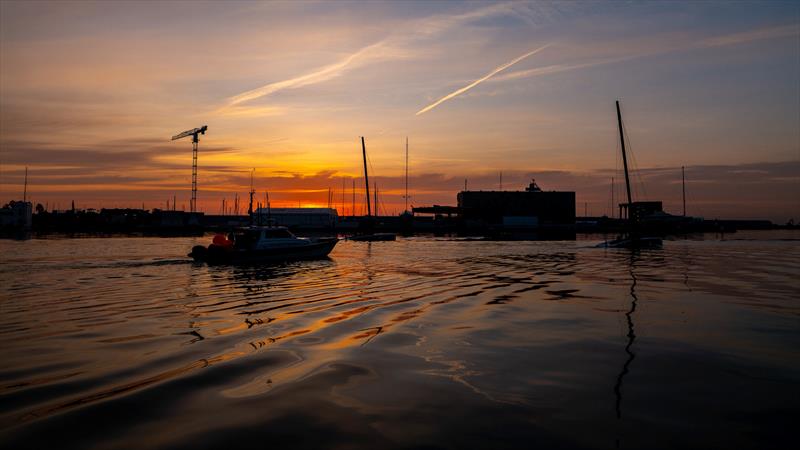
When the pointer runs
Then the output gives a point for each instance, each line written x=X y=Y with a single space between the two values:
x=639 y=185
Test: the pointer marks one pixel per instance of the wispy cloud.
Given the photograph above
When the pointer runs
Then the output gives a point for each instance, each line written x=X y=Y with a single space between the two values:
x=718 y=41
x=317 y=76
x=480 y=80
x=392 y=47
x=750 y=36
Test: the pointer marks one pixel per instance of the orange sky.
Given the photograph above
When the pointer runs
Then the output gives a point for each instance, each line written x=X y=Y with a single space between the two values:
x=90 y=94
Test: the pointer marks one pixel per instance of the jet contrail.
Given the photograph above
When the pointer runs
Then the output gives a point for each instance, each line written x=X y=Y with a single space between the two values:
x=322 y=74
x=479 y=81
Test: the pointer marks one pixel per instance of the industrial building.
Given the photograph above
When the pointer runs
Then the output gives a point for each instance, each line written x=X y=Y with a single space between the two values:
x=531 y=208
x=302 y=218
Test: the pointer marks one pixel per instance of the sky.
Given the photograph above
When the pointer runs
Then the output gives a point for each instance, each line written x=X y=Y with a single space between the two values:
x=92 y=92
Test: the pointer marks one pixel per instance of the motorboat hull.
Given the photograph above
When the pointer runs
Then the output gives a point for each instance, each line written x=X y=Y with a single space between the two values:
x=214 y=254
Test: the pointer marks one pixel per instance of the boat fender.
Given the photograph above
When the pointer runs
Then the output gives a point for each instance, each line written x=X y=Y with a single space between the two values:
x=198 y=252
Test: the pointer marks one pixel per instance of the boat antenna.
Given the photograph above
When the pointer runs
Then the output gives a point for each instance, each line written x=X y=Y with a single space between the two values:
x=406 y=196
x=624 y=161
x=366 y=175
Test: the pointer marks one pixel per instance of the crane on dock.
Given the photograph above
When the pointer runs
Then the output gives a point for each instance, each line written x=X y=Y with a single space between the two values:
x=194 y=133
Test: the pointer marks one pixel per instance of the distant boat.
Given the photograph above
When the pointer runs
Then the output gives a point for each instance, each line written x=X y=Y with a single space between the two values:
x=262 y=244
x=367 y=236
x=633 y=239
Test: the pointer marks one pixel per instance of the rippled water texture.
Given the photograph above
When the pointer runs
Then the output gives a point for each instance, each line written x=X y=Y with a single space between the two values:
x=424 y=342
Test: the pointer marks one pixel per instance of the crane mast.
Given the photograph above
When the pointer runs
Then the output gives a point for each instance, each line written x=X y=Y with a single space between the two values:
x=194 y=133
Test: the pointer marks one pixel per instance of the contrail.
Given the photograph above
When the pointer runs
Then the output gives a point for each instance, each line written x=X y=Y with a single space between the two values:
x=322 y=74
x=479 y=81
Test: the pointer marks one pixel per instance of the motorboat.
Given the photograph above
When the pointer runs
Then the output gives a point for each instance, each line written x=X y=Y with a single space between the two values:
x=257 y=244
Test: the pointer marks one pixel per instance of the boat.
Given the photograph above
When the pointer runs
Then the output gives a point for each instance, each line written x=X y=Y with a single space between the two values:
x=633 y=239
x=260 y=244
x=368 y=235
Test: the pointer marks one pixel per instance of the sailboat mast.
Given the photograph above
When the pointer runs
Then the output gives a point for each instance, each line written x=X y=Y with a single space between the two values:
x=366 y=176
x=375 y=193
x=406 y=209
x=624 y=159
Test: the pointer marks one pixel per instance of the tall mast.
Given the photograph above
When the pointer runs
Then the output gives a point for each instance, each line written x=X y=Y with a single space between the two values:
x=375 y=193
x=25 y=188
x=353 y=207
x=406 y=209
x=366 y=176
x=624 y=159
x=683 y=186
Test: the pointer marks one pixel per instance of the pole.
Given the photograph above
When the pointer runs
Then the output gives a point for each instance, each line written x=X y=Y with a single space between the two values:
x=501 y=180
x=353 y=208
x=624 y=159
x=683 y=186
x=375 y=203
x=25 y=188
x=343 y=188
x=366 y=176
x=406 y=209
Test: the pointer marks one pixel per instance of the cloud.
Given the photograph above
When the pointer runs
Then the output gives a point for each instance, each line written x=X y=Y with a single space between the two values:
x=480 y=80
x=317 y=76
x=392 y=47
x=719 y=41
x=752 y=35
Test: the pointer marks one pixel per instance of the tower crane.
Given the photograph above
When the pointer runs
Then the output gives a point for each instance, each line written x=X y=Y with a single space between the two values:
x=194 y=134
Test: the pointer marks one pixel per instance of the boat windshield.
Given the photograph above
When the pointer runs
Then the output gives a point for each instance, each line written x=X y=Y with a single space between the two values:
x=277 y=233
x=247 y=238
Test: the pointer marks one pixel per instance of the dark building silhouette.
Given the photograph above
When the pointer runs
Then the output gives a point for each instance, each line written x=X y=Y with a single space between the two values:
x=532 y=207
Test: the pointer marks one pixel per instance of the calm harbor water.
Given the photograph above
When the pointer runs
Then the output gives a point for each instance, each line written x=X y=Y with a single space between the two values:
x=420 y=343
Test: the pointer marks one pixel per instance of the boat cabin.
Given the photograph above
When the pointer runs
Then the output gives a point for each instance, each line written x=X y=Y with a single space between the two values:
x=265 y=237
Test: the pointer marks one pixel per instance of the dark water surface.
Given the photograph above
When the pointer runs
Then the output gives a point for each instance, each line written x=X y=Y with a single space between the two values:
x=424 y=342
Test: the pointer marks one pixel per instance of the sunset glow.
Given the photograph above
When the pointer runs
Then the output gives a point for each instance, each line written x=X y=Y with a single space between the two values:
x=90 y=94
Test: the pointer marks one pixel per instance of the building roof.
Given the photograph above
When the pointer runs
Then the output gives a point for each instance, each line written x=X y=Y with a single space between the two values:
x=296 y=211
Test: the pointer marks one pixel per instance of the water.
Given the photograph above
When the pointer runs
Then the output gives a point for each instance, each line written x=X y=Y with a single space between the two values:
x=424 y=342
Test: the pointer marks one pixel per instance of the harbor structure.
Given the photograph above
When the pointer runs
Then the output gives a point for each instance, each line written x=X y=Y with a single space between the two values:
x=529 y=208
